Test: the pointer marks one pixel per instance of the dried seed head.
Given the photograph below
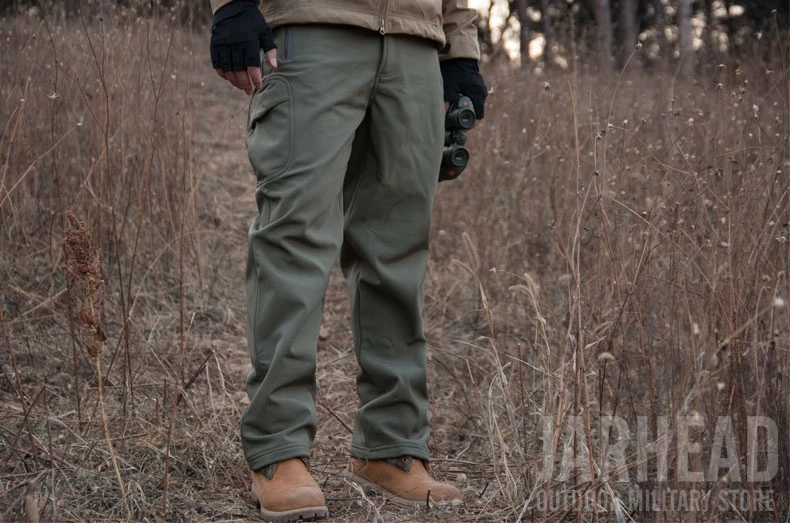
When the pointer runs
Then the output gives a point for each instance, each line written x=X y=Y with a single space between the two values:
x=86 y=285
x=82 y=262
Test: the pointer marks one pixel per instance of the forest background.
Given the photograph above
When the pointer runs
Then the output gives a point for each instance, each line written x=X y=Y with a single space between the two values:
x=618 y=247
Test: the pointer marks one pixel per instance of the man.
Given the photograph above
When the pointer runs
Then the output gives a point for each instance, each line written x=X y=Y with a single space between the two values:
x=345 y=134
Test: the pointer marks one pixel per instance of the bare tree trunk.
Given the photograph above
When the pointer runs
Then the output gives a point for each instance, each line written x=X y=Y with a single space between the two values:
x=483 y=24
x=603 y=17
x=660 y=24
x=628 y=24
x=523 y=33
x=730 y=24
x=548 y=32
x=684 y=25
x=709 y=45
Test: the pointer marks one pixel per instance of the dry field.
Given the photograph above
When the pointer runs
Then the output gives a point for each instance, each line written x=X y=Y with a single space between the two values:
x=618 y=247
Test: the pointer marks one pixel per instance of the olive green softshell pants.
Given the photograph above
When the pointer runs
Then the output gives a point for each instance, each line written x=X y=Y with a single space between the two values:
x=345 y=138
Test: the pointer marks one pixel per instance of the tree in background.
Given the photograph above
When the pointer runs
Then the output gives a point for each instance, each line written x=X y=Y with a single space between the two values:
x=524 y=30
x=659 y=25
x=608 y=28
x=188 y=11
x=611 y=28
x=628 y=28
x=603 y=18
x=548 y=31
x=684 y=30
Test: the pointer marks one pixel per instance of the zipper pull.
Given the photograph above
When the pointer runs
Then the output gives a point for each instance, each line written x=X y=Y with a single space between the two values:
x=382 y=31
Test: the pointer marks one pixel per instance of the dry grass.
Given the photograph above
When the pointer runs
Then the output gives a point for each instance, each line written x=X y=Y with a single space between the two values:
x=619 y=246
x=625 y=253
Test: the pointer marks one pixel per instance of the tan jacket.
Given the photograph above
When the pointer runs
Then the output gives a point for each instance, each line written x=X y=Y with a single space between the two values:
x=446 y=22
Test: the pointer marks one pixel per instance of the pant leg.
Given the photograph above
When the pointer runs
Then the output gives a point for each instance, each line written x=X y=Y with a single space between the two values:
x=301 y=127
x=393 y=174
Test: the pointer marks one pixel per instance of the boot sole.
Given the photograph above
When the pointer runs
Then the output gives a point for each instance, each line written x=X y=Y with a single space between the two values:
x=375 y=488
x=295 y=515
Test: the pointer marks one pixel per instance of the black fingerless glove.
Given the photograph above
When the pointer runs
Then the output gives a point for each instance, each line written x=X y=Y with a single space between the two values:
x=238 y=33
x=461 y=76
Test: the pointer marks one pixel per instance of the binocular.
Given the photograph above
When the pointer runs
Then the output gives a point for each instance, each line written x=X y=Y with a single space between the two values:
x=459 y=117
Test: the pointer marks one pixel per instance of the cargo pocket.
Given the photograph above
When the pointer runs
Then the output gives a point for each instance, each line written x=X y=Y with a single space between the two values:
x=270 y=129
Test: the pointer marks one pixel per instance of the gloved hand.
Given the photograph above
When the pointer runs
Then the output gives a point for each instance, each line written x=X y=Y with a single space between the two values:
x=238 y=33
x=461 y=76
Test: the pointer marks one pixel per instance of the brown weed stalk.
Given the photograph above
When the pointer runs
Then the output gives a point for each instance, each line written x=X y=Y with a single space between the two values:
x=87 y=291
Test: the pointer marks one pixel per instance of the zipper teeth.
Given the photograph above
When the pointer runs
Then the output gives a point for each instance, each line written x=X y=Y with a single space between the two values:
x=383 y=15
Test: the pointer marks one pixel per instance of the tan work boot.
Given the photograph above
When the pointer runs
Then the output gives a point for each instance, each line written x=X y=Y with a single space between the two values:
x=405 y=480
x=286 y=492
